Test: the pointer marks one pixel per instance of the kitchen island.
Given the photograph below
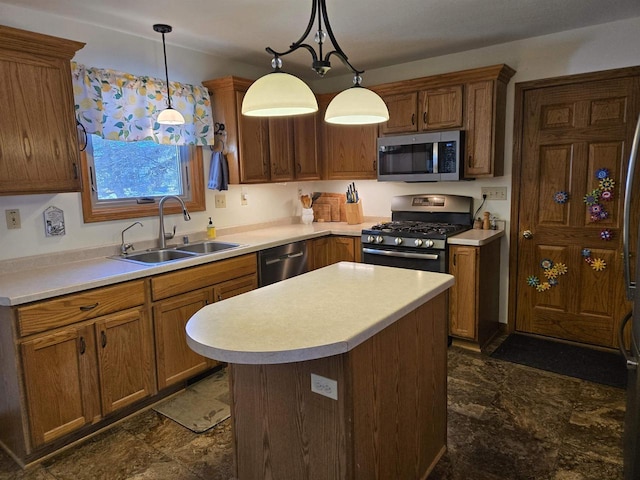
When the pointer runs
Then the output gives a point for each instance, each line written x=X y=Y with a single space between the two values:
x=339 y=373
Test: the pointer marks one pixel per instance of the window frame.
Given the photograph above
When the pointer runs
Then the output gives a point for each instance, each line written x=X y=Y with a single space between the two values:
x=92 y=211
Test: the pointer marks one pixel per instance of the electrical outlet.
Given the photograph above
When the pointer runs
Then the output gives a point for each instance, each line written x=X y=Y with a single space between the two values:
x=221 y=200
x=324 y=386
x=13 y=219
x=495 y=193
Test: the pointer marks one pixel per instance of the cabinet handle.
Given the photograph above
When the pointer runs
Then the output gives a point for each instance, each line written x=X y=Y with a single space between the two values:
x=413 y=119
x=75 y=171
x=454 y=259
x=86 y=308
x=299 y=168
x=424 y=118
x=83 y=346
x=103 y=336
x=219 y=297
x=375 y=165
x=470 y=162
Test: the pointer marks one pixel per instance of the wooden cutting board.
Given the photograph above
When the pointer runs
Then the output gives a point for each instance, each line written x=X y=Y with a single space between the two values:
x=336 y=202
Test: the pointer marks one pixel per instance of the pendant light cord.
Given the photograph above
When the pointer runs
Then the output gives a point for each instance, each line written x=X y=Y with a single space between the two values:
x=166 y=71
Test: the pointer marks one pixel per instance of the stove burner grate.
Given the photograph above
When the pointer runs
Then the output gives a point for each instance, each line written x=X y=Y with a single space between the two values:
x=406 y=226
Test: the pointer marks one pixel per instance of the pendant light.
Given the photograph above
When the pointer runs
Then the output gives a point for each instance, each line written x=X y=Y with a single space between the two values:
x=279 y=93
x=169 y=116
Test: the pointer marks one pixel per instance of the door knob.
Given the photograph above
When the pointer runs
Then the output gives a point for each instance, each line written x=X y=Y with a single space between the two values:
x=527 y=234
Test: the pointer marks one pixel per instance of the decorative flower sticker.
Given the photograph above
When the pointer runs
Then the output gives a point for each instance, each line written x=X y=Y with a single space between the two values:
x=598 y=264
x=586 y=252
x=551 y=273
x=543 y=287
x=606 y=234
x=595 y=209
x=553 y=282
x=589 y=260
x=592 y=198
x=603 y=215
x=602 y=173
x=606 y=195
x=546 y=263
x=561 y=197
x=561 y=268
x=533 y=281
x=607 y=184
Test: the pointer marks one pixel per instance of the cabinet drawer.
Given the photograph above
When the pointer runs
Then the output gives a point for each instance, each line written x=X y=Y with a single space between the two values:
x=183 y=281
x=74 y=308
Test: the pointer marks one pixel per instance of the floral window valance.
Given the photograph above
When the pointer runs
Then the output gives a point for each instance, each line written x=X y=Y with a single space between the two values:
x=121 y=106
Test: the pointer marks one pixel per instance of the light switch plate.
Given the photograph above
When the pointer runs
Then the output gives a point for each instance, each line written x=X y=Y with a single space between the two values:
x=495 y=193
x=221 y=200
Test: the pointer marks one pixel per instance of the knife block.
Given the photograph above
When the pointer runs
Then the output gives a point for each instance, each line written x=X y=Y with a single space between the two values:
x=354 y=213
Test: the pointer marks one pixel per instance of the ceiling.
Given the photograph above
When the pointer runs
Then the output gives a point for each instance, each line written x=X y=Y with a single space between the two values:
x=373 y=33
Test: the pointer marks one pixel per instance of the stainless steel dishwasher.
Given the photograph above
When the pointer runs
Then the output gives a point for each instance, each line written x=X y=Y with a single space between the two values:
x=279 y=263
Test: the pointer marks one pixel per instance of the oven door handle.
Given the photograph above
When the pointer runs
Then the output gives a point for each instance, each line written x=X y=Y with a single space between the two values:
x=388 y=253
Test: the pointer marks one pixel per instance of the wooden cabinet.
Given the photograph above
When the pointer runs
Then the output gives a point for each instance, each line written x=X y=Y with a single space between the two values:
x=38 y=136
x=349 y=152
x=432 y=109
x=471 y=100
x=474 y=299
x=180 y=294
x=333 y=249
x=77 y=374
x=262 y=150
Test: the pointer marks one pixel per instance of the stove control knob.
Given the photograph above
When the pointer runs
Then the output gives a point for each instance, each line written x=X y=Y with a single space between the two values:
x=418 y=242
x=370 y=239
x=398 y=241
x=428 y=243
x=379 y=239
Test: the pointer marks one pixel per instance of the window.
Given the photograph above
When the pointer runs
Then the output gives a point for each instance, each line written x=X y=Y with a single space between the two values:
x=127 y=179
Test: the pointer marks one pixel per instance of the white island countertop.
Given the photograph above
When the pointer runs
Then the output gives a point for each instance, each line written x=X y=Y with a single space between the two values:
x=315 y=315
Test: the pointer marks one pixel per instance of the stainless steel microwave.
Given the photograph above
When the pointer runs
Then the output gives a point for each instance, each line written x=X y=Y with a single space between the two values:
x=424 y=157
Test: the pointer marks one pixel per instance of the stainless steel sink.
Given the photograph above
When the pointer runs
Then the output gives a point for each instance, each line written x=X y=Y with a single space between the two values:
x=207 y=247
x=155 y=256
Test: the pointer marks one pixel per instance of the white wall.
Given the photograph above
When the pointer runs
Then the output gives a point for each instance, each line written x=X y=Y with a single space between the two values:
x=601 y=47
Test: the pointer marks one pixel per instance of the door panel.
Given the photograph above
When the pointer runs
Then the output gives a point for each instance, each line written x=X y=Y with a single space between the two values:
x=570 y=132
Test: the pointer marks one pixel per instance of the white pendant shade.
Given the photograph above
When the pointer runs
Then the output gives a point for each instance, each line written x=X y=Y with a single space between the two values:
x=278 y=94
x=170 y=116
x=356 y=106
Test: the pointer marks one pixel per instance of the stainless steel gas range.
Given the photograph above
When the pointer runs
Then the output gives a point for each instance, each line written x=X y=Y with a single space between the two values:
x=416 y=236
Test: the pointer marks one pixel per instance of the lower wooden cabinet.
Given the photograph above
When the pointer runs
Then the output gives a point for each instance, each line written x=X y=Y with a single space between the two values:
x=329 y=250
x=474 y=299
x=217 y=281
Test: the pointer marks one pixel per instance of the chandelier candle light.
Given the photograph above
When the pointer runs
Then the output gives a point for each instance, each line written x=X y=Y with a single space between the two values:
x=169 y=116
x=281 y=94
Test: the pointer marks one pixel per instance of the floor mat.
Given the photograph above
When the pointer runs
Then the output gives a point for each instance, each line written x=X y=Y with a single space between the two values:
x=200 y=406
x=606 y=368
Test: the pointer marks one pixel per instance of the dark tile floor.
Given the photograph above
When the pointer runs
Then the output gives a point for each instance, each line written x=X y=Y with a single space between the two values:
x=505 y=421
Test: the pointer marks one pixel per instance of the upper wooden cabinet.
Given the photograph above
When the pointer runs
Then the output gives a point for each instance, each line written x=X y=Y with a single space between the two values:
x=38 y=136
x=348 y=151
x=431 y=109
x=471 y=100
x=261 y=150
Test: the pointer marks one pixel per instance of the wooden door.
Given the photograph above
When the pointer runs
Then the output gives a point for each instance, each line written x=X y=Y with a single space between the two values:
x=281 y=151
x=463 y=309
x=61 y=381
x=575 y=139
x=253 y=145
x=125 y=359
x=175 y=360
x=441 y=108
x=307 y=160
x=403 y=113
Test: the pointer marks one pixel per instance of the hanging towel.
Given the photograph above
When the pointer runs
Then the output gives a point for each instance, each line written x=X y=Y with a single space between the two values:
x=219 y=172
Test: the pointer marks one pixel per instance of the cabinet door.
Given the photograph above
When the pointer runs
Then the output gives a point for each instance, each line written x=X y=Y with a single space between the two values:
x=342 y=249
x=307 y=160
x=38 y=136
x=441 y=108
x=479 y=130
x=463 y=311
x=61 y=381
x=235 y=287
x=175 y=360
x=125 y=358
x=403 y=113
x=350 y=151
x=253 y=143
x=281 y=151
x=318 y=253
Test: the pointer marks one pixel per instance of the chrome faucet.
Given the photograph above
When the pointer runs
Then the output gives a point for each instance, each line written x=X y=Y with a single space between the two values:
x=124 y=247
x=163 y=236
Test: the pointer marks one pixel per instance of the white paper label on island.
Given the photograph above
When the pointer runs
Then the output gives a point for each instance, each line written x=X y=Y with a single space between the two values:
x=324 y=386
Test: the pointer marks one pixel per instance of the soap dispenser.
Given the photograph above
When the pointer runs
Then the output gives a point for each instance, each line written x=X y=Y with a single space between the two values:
x=211 y=230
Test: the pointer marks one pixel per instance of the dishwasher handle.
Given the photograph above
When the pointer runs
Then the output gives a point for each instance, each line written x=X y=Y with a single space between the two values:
x=282 y=258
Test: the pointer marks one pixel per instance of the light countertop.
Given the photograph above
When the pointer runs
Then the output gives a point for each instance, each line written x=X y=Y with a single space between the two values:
x=318 y=314
x=40 y=278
